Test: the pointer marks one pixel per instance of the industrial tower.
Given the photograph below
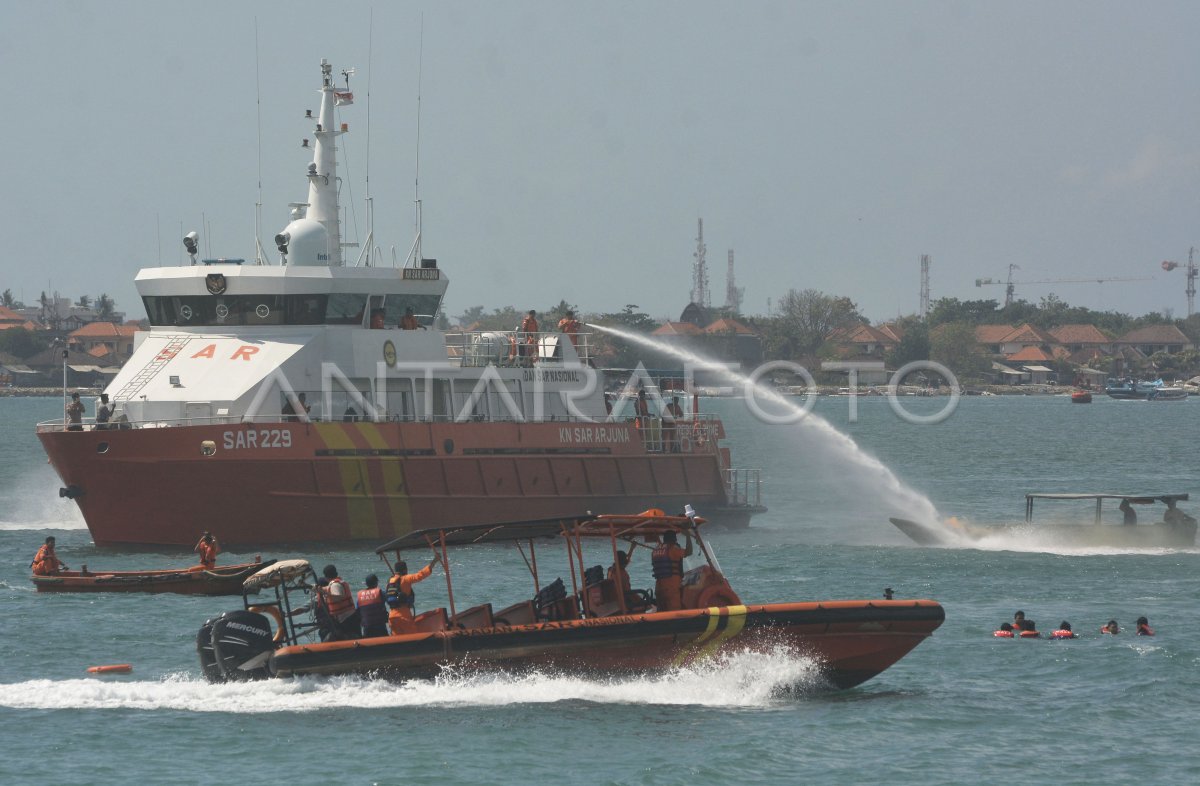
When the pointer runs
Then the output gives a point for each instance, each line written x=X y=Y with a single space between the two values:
x=1190 y=291
x=924 y=286
x=1010 y=285
x=700 y=293
x=733 y=293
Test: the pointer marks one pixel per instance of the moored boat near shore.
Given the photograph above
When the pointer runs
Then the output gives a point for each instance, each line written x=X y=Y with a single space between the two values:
x=592 y=626
x=316 y=400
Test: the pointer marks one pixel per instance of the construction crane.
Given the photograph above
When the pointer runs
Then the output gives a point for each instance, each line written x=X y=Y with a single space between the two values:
x=1010 y=285
x=1191 y=279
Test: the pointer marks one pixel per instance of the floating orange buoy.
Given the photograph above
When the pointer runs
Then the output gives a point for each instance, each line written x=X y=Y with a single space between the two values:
x=115 y=668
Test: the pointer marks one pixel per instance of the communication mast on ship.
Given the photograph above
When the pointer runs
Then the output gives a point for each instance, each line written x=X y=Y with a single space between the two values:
x=924 y=286
x=1190 y=291
x=700 y=293
x=733 y=293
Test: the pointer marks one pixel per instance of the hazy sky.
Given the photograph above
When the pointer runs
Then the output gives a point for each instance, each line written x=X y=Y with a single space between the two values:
x=568 y=148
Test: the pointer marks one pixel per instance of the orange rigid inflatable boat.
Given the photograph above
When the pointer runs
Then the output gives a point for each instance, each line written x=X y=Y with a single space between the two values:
x=586 y=626
x=221 y=580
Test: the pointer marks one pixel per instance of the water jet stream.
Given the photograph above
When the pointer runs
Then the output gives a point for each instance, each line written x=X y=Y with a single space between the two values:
x=841 y=448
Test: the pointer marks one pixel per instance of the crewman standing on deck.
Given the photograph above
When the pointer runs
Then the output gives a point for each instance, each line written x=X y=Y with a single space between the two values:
x=372 y=612
x=529 y=337
x=208 y=548
x=570 y=326
x=46 y=562
x=339 y=603
x=667 y=564
x=401 y=598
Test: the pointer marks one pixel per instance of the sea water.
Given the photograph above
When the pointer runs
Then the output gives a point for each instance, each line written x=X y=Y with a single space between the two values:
x=962 y=707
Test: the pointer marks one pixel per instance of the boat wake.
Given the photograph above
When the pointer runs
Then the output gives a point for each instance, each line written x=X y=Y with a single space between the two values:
x=34 y=505
x=740 y=679
x=955 y=533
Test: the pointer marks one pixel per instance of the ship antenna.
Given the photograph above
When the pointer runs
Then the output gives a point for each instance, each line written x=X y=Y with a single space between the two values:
x=259 y=257
x=368 y=250
x=414 y=256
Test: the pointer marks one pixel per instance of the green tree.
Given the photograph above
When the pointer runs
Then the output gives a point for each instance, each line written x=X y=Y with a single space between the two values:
x=8 y=300
x=472 y=315
x=804 y=322
x=975 y=312
x=85 y=301
x=619 y=353
x=914 y=344
x=22 y=343
x=954 y=346
x=105 y=307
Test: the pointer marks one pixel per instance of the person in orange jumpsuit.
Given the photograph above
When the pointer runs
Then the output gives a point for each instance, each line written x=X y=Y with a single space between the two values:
x=46 y=562
x=570 y=326
x=208 y=548
x=529 y=331
x=667 y=564
x=619 y=573
x=401 y=598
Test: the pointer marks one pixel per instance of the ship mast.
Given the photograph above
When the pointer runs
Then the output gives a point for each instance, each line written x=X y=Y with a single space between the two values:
x=322 y=172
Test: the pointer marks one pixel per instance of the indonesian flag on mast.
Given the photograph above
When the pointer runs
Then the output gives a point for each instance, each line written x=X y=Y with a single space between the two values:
x=342 y=97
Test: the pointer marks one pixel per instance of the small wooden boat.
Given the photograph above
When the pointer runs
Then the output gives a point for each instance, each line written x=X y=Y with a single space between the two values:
x=221 y=580
x=587 y=626
x=1081 y=397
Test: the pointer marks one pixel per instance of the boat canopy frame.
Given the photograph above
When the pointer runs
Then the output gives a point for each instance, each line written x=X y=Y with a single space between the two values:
x=648 y=526
x=1135 y=499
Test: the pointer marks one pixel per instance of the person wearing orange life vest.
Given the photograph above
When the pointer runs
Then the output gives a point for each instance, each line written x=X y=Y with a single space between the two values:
x=1064 y=631
x=1005 y=632
x=529 y=331
x=372 y=611
x=46 y=562
x=1143 y=627
x=1111 y=628
x=400 y=597
x=570 y=326
x=208 y=548
x=666 y=562
x=338 y=601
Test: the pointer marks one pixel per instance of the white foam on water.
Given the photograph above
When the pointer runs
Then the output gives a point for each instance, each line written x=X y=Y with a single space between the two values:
x=33 y=504
x=738 y=679
x=840 y=452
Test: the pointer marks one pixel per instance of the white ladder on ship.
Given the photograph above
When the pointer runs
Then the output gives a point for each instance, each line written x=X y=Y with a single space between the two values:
x=151 y=369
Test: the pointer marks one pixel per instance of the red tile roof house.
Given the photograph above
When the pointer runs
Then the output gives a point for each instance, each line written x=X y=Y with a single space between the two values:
x=1078 y=338
x=117 y=339
x=1155 y=338
x=863 y=341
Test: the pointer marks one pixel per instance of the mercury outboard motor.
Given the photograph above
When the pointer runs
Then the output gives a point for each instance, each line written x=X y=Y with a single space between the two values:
x=240 y=647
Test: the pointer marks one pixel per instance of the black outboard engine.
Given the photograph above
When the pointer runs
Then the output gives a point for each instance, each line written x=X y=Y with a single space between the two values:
x=239 y=647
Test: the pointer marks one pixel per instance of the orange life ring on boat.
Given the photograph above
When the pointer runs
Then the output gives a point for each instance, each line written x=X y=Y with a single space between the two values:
x=272 y=611
x=698 y=434
x=1003 y=634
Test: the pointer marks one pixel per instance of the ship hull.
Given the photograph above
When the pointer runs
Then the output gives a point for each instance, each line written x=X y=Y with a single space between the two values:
x=303 y=482
x=852 y=641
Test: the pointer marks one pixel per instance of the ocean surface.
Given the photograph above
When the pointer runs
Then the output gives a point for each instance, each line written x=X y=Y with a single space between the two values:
x=963 y=707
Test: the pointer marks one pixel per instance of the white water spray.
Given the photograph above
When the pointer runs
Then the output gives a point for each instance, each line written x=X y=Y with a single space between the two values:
x=840 y=449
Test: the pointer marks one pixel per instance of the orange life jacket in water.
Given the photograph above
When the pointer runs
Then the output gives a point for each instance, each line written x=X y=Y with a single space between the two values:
x=1062 y=634
x=1030 y=634
x=1003 y=634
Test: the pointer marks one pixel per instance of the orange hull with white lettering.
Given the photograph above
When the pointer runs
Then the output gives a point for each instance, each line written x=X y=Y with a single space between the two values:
x=268 y=483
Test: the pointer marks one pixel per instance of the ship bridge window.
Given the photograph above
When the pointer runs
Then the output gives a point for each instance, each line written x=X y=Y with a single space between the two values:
x=425 y=307
x=221 y=311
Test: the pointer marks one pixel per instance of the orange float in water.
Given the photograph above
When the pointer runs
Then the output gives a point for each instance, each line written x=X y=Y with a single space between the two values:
x=115 y=668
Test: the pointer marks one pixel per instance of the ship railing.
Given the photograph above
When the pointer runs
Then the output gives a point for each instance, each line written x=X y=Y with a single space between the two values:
x=677 y=435
x=743 y=487
x=89 y=424
x=515 y=348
